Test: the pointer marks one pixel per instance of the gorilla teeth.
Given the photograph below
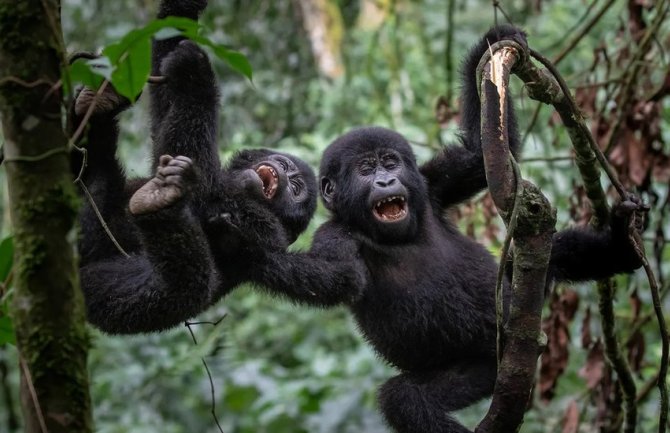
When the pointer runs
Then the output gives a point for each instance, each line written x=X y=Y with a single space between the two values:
x=269 y=178
x=391 y=208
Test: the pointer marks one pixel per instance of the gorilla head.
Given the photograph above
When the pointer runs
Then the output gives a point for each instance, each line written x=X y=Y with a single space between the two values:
x=370 y=180
x=282 y=182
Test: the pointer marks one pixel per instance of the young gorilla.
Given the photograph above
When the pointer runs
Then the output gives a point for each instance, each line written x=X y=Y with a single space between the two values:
x=422 y=292
x=194 y=228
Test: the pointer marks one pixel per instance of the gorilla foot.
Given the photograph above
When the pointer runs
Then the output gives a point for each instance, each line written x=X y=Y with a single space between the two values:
x=167 y=187
x=106 y=103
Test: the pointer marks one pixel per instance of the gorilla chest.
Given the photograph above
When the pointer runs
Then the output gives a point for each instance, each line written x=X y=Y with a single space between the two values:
x=412 y=311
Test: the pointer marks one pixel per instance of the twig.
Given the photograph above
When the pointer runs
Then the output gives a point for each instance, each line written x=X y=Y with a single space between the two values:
x=633 y=68
x=448 y=50
x=26 y=84
x=616 y=358
x=548 y=159
x=504 y=254
x=33 y=395
x=105 y=227
x=585 y=30
x=34 y=158
x=204 y=363
x=663 y=329
x=571 y=45
x=572 y=105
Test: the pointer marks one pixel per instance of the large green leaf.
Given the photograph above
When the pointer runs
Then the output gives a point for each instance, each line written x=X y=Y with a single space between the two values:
x=127 y=63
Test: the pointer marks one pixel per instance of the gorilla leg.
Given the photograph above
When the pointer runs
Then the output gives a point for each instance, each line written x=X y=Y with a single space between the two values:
x=420 y=402
x=103 y=176
x=166 y=188
x=170 y=279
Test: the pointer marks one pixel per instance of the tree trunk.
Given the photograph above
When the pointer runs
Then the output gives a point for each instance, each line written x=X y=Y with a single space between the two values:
x=323 y=23
x=47 y=306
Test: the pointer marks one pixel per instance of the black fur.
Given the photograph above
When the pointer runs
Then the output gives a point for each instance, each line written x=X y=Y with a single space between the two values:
x=195 y=249
x=422 y=292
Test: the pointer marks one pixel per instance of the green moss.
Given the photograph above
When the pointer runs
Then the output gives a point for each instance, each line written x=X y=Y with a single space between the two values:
x=15 y=18
x=33 y=254
x=58 y=203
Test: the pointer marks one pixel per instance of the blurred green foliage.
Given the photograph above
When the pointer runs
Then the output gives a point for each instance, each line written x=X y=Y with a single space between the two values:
x=276 y=367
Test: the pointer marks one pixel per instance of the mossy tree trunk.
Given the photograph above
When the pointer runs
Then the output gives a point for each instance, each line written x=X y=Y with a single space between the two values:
x=47 y=306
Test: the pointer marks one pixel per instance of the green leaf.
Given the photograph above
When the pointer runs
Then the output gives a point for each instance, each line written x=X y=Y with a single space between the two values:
x=127 y=63
x=131 y=68
x=236 y=60
x=7 y=335
x=84 y=72
x=6 y=257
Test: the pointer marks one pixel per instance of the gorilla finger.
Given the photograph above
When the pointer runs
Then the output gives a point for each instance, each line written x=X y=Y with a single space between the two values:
x=181 y=163
x=164 y=160
x=171 y=170
x=183 y=158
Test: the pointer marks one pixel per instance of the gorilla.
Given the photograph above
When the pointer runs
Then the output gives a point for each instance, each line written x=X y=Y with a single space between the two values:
x=421 y=292
x=191 y=232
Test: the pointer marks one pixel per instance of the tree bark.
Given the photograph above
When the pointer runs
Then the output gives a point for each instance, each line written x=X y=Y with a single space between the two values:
x=47 y=306
x=323 y=22
x=531 y=221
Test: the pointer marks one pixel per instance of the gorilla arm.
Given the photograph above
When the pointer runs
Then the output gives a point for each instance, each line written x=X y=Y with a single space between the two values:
x=331 y=273
x=184 y=109
x=580 y=254
x=457 y=172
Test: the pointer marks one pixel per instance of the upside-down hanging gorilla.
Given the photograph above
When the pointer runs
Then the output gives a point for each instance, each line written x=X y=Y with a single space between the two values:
x=421 y=292
x=193 y=230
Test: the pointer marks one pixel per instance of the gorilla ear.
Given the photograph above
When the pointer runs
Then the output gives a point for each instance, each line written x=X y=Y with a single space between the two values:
x=327 y=190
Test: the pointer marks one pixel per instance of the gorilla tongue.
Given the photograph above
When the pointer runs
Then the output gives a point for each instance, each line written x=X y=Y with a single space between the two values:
x=268 y=176
x=391 y=209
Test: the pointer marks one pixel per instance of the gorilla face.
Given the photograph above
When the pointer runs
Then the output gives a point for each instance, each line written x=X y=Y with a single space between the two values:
x=380 y=192
x=387 y=197
x=281 y=182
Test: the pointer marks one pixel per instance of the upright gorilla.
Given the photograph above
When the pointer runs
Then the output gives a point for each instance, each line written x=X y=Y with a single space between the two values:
x=422 y=292
x=194 y=229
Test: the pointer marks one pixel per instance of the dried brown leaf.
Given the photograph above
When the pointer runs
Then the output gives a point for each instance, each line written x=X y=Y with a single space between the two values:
x=556 y=354
x=571 y=418
x=593 y=370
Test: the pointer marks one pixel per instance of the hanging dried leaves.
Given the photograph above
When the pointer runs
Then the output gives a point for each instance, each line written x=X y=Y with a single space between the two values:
x=556 y=353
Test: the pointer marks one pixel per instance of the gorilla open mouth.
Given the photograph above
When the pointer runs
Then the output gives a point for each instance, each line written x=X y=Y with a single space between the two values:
x=269 y=178
x=391 y=209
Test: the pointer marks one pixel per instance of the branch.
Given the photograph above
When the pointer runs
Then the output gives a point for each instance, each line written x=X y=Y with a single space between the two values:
x=532 y=230
x=550 y=88
x=614 y=355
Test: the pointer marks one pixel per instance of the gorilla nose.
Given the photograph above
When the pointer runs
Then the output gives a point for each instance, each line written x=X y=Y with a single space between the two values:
x=385 y=182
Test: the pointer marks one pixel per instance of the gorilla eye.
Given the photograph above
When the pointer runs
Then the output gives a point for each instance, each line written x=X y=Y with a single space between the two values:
x=283 y=164
x=296 y=186
x=390 y=161
x=367 y=166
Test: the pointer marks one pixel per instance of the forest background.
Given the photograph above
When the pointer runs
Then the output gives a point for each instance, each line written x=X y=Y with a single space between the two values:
x=281 y=368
